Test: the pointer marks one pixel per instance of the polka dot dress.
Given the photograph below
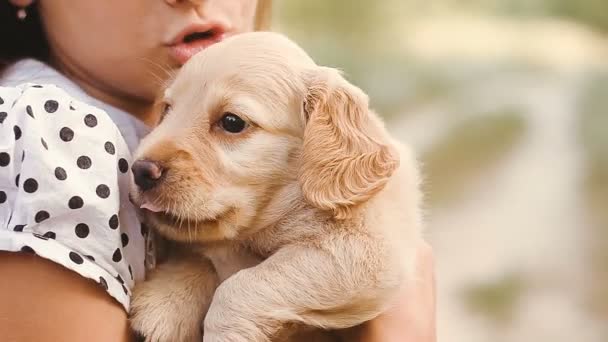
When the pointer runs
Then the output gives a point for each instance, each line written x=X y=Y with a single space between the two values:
x=64 y=187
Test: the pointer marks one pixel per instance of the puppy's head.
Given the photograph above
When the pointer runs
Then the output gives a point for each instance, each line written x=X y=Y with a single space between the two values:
x=242 y=120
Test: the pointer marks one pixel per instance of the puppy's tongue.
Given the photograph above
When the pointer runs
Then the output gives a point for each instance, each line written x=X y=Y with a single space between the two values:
x=151 y=207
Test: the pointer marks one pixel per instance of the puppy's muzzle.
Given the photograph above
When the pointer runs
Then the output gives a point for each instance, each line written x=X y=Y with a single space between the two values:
x=146 y=174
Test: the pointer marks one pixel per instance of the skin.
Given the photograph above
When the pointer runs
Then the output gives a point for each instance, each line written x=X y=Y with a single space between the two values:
x=57 y=304
x=116 y=51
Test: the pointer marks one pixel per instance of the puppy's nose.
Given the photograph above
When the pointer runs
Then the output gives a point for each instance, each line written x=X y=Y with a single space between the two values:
x=146 y=174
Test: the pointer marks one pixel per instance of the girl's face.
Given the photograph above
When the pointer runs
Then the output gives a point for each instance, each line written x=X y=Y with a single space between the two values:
x=122 y=50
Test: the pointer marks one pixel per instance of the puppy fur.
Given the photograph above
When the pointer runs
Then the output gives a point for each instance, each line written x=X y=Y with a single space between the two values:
x=306 y=220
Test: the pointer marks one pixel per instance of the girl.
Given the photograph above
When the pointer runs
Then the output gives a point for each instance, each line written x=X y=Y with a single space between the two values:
x=77 y=82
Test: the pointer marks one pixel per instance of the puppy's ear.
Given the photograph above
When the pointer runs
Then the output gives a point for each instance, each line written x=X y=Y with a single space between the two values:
x=346 y=157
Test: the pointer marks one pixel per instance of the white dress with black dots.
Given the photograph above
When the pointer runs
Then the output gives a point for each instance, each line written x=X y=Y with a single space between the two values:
x=64 y=187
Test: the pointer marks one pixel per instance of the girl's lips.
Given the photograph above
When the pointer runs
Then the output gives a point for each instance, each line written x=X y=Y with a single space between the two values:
x=195 y=38
x=183 y=51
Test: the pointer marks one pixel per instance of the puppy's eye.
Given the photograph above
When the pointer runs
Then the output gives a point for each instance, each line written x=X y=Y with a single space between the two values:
x=232 y=123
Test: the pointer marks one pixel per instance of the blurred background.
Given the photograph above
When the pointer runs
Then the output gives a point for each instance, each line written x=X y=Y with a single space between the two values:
x=506 y=102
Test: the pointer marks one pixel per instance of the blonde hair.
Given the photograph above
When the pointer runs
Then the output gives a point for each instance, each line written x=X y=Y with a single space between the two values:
x=263 y=15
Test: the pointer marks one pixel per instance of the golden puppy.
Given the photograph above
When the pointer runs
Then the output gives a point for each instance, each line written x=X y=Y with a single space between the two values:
x=293 y=206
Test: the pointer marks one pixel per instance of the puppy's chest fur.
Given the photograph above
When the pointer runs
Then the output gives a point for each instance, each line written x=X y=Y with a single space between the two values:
x=227 y=259
x=304 y=226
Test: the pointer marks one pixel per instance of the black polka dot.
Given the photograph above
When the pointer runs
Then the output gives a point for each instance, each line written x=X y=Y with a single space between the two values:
x=130 y=272
x=41 y=237
x=36 y=86
x=19 y=228
x=117 y=256
x=60 y=173
x=5 y=159
x=113 y=221
x=50 y=235
x=124 y=238
x=90 y=257
x=51 y=106
x=125 y=290
x=66 y=134
x=29 y=111
x=28 y=249
x=75 y=202
x=90 y=120
x=144 y=229
x=2 y=196
x=109 y=148
x=82 y=230
x=46 y=147
x=123 y=165
x=84 y=162
x=76 y=258
x=23 y=155
x=103 y=191
x=17 y=180
x=41 y=216
x=17 y=132
x=103 y=283
x=3 y=116
x=120 y=280
x=1 y=101
x=30 y=185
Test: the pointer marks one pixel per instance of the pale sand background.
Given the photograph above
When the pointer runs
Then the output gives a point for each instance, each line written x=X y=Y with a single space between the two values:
x=510 y=116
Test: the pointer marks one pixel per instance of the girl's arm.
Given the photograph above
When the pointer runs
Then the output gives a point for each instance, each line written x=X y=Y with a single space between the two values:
x=413 y=318
x=43 y=301
x=69 y=251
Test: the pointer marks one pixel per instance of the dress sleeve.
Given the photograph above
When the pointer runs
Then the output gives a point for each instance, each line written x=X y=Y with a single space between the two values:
x=64 y=187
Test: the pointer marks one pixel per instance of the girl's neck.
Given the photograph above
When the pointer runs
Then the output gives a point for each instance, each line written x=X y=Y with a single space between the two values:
x=138 y=107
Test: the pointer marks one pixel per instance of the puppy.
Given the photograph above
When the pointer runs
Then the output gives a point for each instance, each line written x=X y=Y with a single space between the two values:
x=290 y=205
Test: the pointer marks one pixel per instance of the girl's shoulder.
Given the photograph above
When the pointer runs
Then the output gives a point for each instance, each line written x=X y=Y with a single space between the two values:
x=64 y=186
x=12 y=95
x=52 y=95
x=42 y=106
x=25 y=76
x=30 y=72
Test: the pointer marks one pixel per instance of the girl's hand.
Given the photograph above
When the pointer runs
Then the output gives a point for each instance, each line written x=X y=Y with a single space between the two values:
x=413 y=318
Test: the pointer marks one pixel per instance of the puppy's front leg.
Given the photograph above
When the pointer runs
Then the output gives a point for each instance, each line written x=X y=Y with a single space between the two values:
x=330 y=288
x=171 y=304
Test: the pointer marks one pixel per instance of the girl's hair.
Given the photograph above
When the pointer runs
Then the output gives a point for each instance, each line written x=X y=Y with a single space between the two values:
x=26 y=38
x=263 y=15
x=21 y=39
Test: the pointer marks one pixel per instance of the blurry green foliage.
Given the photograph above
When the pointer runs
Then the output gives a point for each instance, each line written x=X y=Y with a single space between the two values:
x=590 y=12
x=496 y=300
x=466 y=152
x=594 y=137
x=362 y=39
x=594 y=118
x=352 y=36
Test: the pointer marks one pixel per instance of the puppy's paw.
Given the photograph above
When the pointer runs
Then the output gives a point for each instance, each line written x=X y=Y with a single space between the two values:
x=158 y=318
